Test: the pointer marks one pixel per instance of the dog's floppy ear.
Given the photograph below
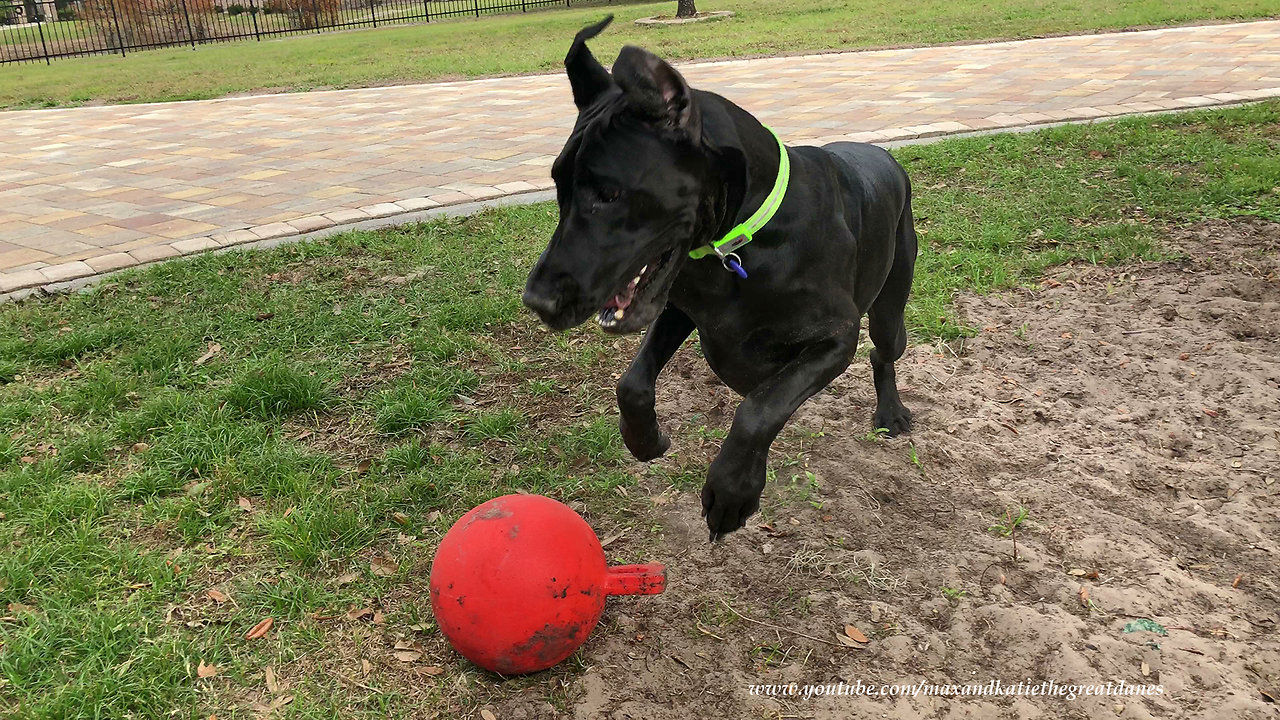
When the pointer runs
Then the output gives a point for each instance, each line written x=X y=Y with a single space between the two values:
x=586 y=75
x=655 y=89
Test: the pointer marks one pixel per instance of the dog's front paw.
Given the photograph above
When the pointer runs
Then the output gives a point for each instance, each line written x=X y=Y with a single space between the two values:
x=727 y=505
x=644 y=446
x=895 y=419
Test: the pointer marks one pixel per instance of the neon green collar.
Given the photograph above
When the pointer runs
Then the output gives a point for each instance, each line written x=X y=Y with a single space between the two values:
x=742 y=234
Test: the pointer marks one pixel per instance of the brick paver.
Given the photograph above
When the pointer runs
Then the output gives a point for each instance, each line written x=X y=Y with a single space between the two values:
x=89 y=189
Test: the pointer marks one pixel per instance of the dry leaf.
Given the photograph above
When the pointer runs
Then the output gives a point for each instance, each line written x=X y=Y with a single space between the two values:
x=1146 y=669
x=217 y=595
x=364 y=465
x=383 y=567
x=855 y=634
x=366 y=667
x=1236 y=583
x=847 y=641
x=214 y=349
x=141 y=447
x=1211 y=413
x=432 y=670
x=259 y=630
x=357 y=613
x=1084 y=595
x=272 y=686
x=244 y=504
x=400 y=518
x=205 y=671
x=1076 y=572
x=379 y=619
x=487 y=714
x=280 y=702
x=346 y=578
x=407 y=655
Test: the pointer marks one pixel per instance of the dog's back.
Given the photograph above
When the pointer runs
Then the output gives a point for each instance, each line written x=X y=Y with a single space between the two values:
x=872 y=174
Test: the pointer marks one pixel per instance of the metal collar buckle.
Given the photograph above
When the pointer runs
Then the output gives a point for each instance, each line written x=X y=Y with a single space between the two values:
x=731 y=262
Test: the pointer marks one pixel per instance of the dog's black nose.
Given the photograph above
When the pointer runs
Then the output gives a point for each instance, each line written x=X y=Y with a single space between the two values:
x=545 y=305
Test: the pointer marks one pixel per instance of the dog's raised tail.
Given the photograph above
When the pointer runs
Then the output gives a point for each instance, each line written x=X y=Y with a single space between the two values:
x=587 y=76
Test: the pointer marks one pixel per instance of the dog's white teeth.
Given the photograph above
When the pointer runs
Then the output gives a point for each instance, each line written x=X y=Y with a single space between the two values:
x=617 y=314
x=635 y=281
x=646 y=267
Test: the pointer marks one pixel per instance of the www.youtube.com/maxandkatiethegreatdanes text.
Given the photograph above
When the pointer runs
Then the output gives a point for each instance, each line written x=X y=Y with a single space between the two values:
x=993 y=688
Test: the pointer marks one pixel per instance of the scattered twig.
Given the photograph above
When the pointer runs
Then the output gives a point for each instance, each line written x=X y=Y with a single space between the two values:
x=349 y=681
x=705 y=631
x=778 y=627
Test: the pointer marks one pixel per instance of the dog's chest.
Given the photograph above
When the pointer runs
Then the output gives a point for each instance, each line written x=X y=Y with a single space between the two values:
x=745 y=356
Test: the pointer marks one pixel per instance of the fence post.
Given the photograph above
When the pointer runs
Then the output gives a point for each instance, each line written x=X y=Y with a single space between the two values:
x=253 y=12
x=43 y=43
x=426 y=9
x=477 y=6
x=524 y=6
x=190 y=34
x=373 y=12
x=119 y=35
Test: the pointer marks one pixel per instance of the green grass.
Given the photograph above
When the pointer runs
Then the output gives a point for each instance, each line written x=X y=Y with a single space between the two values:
x=133 y=478
x=537 y=42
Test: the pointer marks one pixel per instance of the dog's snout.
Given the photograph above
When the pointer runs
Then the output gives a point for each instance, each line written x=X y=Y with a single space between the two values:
x=547 y=305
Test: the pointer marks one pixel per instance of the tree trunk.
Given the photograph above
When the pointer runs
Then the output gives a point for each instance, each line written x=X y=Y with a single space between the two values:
x=685 y=8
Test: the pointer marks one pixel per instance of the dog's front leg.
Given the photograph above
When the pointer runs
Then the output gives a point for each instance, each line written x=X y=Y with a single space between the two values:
x=736 y=478
x=637 y=419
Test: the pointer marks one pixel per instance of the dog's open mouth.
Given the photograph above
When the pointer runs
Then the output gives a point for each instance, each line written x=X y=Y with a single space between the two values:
x=638 y=292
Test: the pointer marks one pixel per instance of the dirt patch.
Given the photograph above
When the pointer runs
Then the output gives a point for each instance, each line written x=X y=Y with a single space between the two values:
x=1135 y=413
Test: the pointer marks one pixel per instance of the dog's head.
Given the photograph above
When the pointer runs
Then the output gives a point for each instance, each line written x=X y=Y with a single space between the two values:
x=630 y=185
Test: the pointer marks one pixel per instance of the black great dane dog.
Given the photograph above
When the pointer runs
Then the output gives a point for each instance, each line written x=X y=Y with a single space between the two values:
x=655 y=172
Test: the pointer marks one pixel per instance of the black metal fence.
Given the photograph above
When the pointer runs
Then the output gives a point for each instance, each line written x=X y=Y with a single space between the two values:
x=42 y=30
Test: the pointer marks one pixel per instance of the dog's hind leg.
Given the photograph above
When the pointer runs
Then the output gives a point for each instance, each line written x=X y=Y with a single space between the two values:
x=637 y=419
x=888 y=330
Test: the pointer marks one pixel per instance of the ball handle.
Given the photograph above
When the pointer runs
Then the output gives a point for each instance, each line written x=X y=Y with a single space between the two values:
x=648 y=579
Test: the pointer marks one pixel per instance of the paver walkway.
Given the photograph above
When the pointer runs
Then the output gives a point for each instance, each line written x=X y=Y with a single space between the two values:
x=89 y=190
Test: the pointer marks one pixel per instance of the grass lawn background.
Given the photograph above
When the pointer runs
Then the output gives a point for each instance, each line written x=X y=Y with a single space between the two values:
x=294 y=428
x=536 y=42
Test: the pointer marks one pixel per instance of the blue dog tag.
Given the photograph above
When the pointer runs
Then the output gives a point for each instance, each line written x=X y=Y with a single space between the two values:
x=733 y=265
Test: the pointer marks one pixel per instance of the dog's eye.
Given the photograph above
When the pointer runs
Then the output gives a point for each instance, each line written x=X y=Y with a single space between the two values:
x=608 y=196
